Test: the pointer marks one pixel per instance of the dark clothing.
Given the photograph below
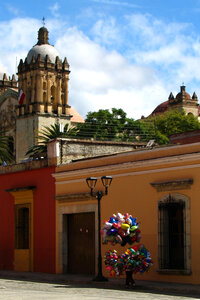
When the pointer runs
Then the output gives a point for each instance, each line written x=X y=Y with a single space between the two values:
x=129 y=278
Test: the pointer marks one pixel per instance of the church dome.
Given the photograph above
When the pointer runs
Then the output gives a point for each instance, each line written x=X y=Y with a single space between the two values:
x=161 y=108
x=43 y=47
x=76 y=117
x=44 y=50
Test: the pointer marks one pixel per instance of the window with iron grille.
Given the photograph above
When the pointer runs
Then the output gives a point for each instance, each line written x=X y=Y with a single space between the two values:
x=174 y=233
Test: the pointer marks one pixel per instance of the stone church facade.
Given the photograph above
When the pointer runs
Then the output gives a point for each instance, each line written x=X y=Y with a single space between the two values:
x=43 y=77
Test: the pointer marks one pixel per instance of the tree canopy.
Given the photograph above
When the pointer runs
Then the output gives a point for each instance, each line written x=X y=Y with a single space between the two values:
x=114 y=125
x=173 y=122
x=6 y=156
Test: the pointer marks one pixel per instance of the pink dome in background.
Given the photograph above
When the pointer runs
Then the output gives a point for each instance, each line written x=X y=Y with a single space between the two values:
x=76 y=117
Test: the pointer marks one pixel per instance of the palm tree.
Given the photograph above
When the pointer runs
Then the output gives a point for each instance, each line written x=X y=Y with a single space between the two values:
x=5 y=154
x=45 y=135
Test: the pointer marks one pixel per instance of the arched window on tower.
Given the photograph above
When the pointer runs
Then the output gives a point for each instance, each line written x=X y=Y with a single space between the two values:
x=63 y=106
x=62 y=98
x=44 y=97
x=27 y=99
x=44 y=85
x=53 y=99
x=45 y=101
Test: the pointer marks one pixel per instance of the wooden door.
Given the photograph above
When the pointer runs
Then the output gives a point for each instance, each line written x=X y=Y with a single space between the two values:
x=22 y=238
x=81 y=243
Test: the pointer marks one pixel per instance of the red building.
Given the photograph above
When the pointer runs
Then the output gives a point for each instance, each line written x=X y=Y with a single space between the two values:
x=185 y=137
x=27 y=214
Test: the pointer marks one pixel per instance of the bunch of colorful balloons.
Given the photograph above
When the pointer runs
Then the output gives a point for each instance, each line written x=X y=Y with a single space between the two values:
x=124 y=229
x=136 y=259
x=111 y=260
x=121 y=229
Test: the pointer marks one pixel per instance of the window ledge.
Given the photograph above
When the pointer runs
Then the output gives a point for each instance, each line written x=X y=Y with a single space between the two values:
x=179 y=184
x=174 y=272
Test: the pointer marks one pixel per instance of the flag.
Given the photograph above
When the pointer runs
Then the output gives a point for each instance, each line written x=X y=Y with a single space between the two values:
x=21 y=97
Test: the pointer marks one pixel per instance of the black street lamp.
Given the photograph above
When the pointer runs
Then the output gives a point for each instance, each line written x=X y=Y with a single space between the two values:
x=91 y=182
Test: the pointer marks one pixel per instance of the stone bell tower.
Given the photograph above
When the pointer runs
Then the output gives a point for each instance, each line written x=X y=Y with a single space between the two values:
x=43 y=77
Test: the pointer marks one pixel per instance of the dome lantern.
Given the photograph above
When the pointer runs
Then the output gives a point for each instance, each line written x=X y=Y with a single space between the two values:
x=43 y=36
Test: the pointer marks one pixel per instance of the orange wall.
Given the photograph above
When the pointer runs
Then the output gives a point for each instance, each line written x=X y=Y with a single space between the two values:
x=132 y=192
x=44 y=218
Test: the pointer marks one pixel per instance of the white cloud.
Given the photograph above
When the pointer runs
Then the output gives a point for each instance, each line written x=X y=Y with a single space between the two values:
x=172 y=48
x=16 y=37
x=104 y=79
x=154 y=59
x=54 y=9
x=105 y=31
x=12 y=9
x=2 y=71
x=130 y=100
x=152 y=32
x=118 y=3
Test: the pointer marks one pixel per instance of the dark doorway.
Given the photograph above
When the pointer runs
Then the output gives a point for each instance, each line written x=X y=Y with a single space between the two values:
x=81 y=243
x=23 y=245
x=21 y=227
x=172 y=235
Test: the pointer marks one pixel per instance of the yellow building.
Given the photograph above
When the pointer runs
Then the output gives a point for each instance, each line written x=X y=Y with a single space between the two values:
x=159 y=186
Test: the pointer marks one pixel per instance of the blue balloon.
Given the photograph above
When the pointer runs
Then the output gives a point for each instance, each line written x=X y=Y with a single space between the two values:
x=112 y=220
x=113 y=231
x=134 y=223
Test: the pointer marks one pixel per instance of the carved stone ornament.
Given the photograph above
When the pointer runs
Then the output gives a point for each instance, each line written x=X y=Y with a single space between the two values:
x=179 y=184
x=73 y=197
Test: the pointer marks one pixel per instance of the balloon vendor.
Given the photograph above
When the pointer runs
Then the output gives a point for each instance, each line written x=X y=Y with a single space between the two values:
x=124 y=229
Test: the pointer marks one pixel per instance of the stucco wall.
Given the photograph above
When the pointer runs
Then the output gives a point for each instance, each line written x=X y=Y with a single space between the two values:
x=43 y=213
x=131 y=191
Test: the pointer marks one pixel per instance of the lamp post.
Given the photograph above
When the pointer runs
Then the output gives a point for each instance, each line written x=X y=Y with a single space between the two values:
x=91 y=182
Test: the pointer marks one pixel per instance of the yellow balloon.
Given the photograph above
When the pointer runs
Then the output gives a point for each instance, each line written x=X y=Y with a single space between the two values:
x=125 y=226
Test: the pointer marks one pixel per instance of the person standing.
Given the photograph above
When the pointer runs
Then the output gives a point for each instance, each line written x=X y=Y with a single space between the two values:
x=129 y=277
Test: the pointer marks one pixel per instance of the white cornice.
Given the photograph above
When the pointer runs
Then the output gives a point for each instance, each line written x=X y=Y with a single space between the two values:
x=179 y=162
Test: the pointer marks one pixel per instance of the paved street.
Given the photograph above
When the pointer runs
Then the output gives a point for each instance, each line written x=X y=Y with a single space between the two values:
x=27 y=290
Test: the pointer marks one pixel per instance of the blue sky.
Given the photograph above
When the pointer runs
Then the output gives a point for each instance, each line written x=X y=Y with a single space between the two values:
x=128 y=54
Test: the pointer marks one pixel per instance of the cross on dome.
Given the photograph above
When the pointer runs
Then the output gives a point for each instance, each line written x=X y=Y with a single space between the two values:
x=43 y=21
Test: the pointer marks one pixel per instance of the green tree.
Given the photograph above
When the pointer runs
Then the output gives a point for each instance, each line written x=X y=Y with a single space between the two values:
x=45 y=135
x=173 y=122
x=102 y=125
x=6 y=155
x=113 y=125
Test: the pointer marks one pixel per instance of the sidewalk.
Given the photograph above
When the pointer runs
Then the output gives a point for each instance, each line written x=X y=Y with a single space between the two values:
x=112 y=283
